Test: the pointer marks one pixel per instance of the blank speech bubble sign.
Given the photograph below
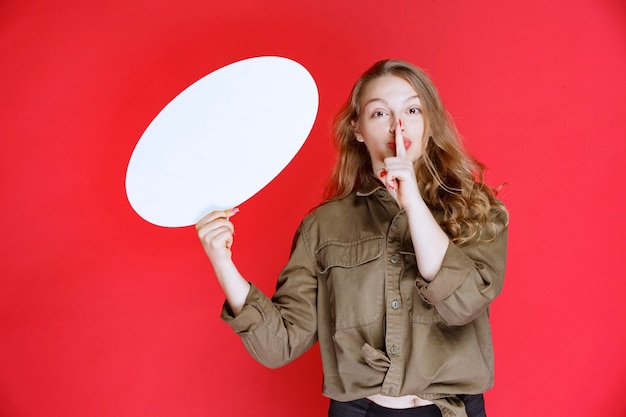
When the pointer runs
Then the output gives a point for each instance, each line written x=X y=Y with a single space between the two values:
x=221 y=140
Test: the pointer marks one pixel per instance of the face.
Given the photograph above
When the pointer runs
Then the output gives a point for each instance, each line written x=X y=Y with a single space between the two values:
x=385 y=100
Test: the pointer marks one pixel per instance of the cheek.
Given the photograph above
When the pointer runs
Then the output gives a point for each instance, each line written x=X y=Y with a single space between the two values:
x=375 y=135
x=417 y=150
x=419 y=127
x=375 y=127
x=416 y=153
x=415 y=129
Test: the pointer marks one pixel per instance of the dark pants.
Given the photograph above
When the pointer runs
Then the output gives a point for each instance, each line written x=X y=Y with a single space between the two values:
x=474 y=406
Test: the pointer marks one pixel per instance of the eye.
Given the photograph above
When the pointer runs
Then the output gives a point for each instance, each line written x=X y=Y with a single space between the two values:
x=415 y=110
x=378 y=113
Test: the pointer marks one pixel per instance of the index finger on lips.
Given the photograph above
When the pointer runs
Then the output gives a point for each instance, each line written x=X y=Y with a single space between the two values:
x=400 y=149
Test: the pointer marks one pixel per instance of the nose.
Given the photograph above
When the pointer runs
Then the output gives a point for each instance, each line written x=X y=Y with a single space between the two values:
x=395 y=121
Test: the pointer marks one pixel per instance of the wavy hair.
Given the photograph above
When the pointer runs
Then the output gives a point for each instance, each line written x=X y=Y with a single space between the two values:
x=449 y=179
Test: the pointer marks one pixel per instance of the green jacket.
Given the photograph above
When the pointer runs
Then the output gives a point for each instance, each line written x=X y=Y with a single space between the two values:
x=352 y=283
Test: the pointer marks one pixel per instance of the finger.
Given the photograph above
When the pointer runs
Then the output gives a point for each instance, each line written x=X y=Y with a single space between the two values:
x=206 y=231
x=219 y=247
x=217 y=237
x=400 y=149
x=217 y=214
x=223 y=238
x=209 y=230
x=389 y=180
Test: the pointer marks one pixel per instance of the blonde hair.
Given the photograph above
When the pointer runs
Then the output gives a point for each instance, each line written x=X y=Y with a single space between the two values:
x=449 y=179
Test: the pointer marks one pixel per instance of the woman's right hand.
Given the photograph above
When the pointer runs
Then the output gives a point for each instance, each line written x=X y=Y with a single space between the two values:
x=216 y=234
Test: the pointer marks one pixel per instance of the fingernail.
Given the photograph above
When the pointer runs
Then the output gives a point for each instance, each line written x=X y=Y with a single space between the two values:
x=383 y=173
x=400 y=120
x=234 y=210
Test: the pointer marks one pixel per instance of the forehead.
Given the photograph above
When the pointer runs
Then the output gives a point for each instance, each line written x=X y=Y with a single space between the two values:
x=386 y=88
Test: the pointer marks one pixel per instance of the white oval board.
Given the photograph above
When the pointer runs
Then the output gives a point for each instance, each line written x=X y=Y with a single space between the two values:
x=221 y=140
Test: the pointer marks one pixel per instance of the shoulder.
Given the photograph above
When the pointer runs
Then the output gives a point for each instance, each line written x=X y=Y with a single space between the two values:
x=497 y=223
x=331 y=209
x=498 y=213
x=326 y=216
x=337 y=219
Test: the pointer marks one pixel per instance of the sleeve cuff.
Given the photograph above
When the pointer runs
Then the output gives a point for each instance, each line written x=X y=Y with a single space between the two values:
x=455 y=268
x=250 y=317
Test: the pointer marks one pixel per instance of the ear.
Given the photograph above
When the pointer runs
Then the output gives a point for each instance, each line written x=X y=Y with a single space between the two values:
x=357 y=132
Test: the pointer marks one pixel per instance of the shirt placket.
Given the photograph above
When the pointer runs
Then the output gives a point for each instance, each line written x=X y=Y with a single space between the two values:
x=393 y=308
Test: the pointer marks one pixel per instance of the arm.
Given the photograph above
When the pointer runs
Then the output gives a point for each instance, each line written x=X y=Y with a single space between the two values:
x=277 y=331
x=459 y=281
x=273 y=331
x=429 y=240
x=216 y=234
x=470 y=278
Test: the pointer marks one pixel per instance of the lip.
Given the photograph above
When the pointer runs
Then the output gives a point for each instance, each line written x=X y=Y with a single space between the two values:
x=392 y=144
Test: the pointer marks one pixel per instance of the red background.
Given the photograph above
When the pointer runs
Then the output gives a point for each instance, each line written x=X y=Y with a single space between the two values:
x=103 y=314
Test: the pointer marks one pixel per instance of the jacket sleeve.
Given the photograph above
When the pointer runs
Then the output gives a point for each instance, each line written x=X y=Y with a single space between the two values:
x=471 y=276
x=277 y=331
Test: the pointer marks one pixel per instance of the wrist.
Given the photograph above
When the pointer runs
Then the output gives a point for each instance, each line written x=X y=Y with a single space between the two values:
x=415 y=205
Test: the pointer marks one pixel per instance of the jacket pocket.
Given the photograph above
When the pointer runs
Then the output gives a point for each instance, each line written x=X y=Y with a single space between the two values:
x=355 y=278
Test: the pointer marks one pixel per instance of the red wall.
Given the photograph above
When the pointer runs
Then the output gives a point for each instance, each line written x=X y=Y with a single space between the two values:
x=103 y=314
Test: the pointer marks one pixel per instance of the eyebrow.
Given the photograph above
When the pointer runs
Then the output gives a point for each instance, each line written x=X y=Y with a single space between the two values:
x=385 y=101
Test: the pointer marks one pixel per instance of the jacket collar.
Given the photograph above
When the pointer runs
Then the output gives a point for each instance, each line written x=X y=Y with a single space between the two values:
x=370 y=185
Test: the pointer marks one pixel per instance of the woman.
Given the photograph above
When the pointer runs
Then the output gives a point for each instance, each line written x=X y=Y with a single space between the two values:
x=394 y=272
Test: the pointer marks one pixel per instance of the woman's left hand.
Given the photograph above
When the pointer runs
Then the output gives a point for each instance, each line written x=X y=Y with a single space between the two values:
x=429 y=240
x=399 y=174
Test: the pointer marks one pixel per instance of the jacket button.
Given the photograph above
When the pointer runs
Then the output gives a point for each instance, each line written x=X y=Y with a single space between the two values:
x=394 y=350
x=394 y=259
x=395 y=304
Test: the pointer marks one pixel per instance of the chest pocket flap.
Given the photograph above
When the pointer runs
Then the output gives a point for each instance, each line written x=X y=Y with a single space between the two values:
x=348 y=254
